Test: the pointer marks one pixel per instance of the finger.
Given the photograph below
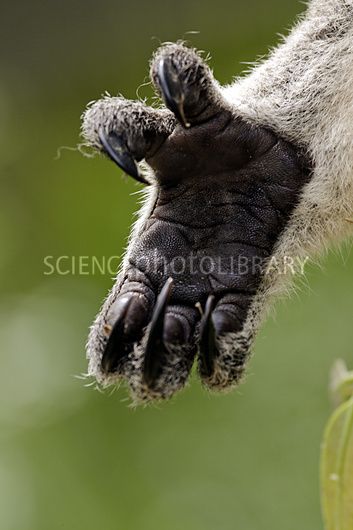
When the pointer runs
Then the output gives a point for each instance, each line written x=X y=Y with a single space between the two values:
x=173 y=361
x=186 y=84
x=224 y=345
x=172 y=354
x=125 y=324
x=126 y=131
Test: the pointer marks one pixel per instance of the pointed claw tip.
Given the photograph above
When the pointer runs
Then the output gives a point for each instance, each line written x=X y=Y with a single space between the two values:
x=166 y=291
x=115 y=147
x=210 y=302
x=169 y=282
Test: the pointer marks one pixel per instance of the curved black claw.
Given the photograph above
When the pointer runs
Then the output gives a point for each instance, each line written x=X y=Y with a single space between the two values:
x=208 y=339
x=115 y=349
x=172 y=90
x=116 y=149
x=155 y=346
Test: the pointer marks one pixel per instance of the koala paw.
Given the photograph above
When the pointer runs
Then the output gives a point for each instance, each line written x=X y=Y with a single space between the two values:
x=223 y=192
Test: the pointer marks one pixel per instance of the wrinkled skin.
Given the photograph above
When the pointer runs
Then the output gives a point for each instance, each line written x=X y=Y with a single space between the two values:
x=225 y=190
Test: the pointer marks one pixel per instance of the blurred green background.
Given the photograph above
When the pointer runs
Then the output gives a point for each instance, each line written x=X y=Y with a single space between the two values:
x=71 y=457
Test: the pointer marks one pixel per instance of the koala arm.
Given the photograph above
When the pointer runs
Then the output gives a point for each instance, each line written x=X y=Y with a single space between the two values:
x=304 y=91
